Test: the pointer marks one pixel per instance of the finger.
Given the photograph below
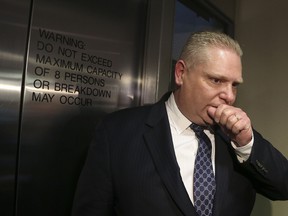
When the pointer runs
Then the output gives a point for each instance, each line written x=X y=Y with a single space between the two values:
x=240 y=125
x=211 y=111
x=218 y=112
x=227 y=114
x=231 y=121
x=236 y=128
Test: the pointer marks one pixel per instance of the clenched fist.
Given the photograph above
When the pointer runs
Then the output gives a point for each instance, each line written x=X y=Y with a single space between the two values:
x=234 y=122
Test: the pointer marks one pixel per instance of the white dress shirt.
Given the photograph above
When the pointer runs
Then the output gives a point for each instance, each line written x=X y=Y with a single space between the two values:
x=186 y=144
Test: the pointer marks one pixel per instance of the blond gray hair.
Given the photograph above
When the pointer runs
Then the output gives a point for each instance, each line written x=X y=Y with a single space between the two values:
x=196 y=48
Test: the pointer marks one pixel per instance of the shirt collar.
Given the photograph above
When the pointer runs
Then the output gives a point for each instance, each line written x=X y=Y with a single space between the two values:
x=177 y=119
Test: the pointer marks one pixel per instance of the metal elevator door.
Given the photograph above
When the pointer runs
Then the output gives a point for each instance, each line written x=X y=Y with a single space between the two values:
x=64 y=64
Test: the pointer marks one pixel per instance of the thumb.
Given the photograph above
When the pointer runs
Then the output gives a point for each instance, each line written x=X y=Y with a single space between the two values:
x=211 y=111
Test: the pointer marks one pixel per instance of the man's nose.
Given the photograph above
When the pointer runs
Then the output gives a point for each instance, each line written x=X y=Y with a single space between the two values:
x=228 y=94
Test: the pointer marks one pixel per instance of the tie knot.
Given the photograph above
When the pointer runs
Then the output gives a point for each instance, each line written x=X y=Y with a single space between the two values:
x=200 y=134
x=196 y=128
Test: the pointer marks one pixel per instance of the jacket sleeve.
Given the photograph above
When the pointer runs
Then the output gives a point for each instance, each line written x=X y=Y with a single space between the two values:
x=94 y=193
x=267 y=168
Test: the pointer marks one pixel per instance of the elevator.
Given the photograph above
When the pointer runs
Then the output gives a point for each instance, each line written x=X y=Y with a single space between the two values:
x=64 y=65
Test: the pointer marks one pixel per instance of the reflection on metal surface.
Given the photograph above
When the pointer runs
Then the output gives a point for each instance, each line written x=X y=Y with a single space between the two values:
x=14 y=16
x=9 y=88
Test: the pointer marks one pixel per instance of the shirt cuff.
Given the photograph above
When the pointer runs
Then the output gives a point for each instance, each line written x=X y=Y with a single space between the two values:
x=243 y=152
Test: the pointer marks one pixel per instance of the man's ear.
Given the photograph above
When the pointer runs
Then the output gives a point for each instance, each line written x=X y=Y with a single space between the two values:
x=179 y=71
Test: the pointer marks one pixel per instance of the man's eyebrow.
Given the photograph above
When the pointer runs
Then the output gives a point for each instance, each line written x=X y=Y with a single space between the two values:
x=221 y=77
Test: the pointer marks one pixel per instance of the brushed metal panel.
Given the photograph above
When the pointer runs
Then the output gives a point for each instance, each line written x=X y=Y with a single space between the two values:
x=85 y=60
x=157 y=62
x=14 y=17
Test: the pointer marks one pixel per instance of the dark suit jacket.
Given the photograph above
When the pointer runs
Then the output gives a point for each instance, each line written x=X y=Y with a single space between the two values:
x=131 y=170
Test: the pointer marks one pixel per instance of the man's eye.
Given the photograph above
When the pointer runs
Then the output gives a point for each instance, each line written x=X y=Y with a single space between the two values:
x=235 y=85
x=216 y=81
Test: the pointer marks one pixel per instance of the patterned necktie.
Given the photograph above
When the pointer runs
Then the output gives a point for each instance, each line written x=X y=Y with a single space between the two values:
x=204 y=180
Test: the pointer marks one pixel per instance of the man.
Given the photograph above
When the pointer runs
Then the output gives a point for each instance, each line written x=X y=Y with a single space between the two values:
x=144 y=161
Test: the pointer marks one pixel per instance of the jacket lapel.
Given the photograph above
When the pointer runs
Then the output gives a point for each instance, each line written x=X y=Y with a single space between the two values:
x=222 y=178
x=159 y=142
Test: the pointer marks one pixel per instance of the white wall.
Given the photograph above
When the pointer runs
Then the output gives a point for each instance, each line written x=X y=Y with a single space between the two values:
x=262 y=31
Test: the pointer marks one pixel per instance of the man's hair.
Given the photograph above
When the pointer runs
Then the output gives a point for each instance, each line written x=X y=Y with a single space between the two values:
x=196 y=48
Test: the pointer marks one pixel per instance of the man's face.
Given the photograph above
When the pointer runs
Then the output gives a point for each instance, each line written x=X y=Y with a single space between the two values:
x=208 y=84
